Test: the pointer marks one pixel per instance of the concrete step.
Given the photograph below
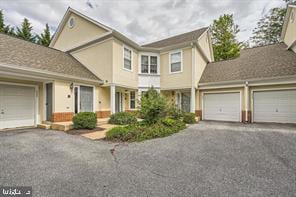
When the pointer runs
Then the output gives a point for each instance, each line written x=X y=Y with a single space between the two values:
x=62 y=126
x=44 y=126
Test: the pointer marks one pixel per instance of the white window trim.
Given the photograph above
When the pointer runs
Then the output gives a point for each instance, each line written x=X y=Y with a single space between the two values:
x=69 y=24
x=73 y=95
x=130 y=100
x=149 y=55
x=126 y=47
x=170 y=54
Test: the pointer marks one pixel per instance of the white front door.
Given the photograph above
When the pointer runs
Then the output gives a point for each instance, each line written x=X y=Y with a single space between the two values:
x=17 y=106
x=221 y=106
x=275 y=106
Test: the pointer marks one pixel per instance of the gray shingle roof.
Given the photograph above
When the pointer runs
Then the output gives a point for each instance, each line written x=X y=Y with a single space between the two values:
x=186 y=37
x=14 y=51
x=255 y=63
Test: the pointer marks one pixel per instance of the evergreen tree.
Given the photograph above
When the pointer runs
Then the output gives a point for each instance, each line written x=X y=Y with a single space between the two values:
x=2 y=25
x=25 y=32
x=45 y=37
x=224 y=33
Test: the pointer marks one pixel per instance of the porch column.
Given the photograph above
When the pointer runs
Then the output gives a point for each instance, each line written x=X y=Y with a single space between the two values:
x=192 y=100
x=112 y=98
x=246 y=89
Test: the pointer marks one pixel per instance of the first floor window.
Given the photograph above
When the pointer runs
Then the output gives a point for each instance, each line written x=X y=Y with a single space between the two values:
x=175 y=62
x=132 y=100
x=144 y=64
x=127 y=58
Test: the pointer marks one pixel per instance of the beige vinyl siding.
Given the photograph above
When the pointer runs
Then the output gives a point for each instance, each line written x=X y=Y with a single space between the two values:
x=120 y=75
x=82 y=31
x=104 y=99
x=98 y=59
x=61 y=90
x=176 y=80
x=200 y=65
x=204 y=43
x=290 y=35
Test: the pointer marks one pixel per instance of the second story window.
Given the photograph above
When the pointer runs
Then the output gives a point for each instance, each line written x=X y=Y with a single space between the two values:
x=149 y=64
x=127 y=58
x=175 y=61
x=153 y=64
x=144 y=64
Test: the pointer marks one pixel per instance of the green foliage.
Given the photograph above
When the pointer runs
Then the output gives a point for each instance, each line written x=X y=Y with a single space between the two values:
x=174 y=112
x=189 y=118
x=269 y=28
x=224 y=32
x=153 y=106
x=85 y=120
x=25 y=32
x=122 y=118
x=45 y=37
x=6 y=29
x=140 y=131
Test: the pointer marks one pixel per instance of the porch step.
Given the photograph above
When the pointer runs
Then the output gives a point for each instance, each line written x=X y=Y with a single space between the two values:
x=44 y=126
x=102 y=121
x=62 y=126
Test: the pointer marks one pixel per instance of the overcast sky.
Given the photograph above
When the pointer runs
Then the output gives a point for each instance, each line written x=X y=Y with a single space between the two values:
x=141 y=20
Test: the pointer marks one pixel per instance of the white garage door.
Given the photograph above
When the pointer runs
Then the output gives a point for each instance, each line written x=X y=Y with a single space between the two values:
x=275 y=106
x=222 y=106
x=17 y=106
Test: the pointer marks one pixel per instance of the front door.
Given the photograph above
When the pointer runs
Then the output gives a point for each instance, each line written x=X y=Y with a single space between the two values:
x=48 y=101
x=185 y=102
x=118 y=102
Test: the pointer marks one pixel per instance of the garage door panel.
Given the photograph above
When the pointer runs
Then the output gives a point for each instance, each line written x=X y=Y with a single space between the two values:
x=222 y=106
x=18 y=106
x=275 y=106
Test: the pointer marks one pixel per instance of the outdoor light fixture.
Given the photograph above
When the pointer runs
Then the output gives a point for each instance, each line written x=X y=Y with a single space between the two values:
x=71 y=86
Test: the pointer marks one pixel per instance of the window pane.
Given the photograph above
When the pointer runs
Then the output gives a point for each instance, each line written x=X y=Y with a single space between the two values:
x=153 y=64
x=127 y=64
x=176 y=57
x=86 y=99
x=132 y=100
x=127 y=59
x=175 y=67
x=144 y=64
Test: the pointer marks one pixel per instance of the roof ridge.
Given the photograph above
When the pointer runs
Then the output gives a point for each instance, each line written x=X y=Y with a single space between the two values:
x=174 y=36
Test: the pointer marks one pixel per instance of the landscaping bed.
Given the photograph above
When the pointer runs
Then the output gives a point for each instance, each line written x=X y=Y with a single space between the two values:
x=160 y=118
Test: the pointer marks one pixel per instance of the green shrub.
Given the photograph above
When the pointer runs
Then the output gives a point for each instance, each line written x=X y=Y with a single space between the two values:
x=122 y=118
x=189 y=118
x=142 y=131
x=85 y=120
x=153 y=106
x=174 y=112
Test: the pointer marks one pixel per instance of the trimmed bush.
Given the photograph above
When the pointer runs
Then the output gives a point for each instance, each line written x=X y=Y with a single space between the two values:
x=189 y=118
x=174 y=112
x=141 y=131
x=85 y=120
x=122 y=118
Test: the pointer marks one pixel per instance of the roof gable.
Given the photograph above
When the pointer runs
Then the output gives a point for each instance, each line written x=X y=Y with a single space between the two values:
x=85 y=29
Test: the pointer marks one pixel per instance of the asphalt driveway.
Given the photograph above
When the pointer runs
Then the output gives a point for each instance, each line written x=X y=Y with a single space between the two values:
x=207 y=159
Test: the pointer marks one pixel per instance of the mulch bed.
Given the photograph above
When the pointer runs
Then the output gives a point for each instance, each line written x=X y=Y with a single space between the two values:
x=84 y=131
